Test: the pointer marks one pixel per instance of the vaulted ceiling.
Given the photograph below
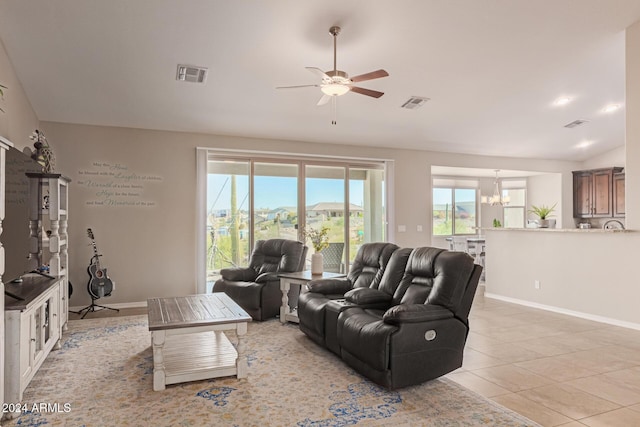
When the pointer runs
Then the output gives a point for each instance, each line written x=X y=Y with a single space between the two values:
x=492 y=69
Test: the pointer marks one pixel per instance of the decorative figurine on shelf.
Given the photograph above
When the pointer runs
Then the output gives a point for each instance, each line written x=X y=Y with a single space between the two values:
x=45 y=201
x=43 y=154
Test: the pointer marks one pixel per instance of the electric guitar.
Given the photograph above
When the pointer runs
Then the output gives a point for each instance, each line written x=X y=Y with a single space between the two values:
x=100 y=285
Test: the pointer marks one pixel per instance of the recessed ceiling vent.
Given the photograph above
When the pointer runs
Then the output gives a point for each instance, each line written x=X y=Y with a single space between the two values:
x=190 y=73
x=414 y=102
x=575 y=123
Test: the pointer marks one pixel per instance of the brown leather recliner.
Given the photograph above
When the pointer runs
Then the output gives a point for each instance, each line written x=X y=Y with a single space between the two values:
x=421 y=331
x=256 y=288
x=366 y=271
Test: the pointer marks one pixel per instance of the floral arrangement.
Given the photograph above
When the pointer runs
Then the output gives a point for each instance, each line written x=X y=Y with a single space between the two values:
x=319 y=238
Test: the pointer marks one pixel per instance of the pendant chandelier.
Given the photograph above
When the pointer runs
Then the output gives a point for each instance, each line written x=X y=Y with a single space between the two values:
x=496 y=198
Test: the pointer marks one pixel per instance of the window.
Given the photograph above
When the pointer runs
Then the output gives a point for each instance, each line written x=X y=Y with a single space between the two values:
x=514 y=213
x=246 y=199
x=454 y=207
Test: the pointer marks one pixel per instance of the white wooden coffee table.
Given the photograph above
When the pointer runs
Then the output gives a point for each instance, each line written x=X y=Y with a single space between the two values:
x=188 y=342
x=300 y=278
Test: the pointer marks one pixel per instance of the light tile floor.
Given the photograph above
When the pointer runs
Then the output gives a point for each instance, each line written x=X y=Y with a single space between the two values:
x=555 y=369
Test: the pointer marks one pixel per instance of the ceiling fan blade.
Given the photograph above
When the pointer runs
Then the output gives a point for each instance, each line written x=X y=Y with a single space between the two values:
x=295 y=87
x=324 y=100
x=370 y=76
x=318 y=72
x=368 y=92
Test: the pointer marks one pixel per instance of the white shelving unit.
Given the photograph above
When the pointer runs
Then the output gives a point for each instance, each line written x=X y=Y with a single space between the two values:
x=33 y=325
x=48 y=216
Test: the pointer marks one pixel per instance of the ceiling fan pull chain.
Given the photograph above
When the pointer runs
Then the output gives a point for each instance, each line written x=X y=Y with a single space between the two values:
x=335 y=110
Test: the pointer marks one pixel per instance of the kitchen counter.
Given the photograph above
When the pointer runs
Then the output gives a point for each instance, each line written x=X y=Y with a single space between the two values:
x=587 y=273
x=562 y=230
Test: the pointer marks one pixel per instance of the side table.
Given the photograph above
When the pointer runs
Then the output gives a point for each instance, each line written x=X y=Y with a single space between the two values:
x=300 y=278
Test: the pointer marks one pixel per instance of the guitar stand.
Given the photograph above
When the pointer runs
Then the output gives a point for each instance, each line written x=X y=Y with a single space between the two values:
x=92 y=308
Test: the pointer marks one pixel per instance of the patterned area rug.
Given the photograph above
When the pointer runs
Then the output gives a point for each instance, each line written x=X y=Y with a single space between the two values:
x=102 y=376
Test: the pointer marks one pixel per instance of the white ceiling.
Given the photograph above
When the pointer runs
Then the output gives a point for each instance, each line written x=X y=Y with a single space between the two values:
x=492 y=69
x=448 y=171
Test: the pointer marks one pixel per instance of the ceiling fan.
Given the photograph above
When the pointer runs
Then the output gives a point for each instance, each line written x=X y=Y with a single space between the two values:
x=336 y=82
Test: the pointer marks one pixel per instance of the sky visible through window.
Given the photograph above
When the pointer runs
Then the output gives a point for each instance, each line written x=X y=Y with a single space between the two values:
x=318 y=190
x=443 y=196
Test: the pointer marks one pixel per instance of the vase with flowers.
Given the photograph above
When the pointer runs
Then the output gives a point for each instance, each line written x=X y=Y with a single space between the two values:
x=319 y=240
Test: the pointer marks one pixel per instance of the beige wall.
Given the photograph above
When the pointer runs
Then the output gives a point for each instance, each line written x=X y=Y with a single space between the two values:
x=615 y=157
x=19 y=120
x=632 y=112
x=150 y=250
x=588 y=272
x=547 y=190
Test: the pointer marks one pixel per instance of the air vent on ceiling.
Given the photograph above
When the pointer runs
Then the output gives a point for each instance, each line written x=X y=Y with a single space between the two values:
x=414 y=102
x=190 y=73
x=575 y=123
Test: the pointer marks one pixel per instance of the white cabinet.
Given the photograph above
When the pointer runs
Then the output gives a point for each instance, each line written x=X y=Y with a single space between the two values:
x=4 y=146
x=32 y=329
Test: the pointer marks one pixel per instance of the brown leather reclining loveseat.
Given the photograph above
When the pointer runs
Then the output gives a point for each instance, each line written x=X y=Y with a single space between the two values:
x=409 y=328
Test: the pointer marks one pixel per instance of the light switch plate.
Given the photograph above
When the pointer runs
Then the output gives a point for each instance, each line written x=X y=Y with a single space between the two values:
x=402 y=228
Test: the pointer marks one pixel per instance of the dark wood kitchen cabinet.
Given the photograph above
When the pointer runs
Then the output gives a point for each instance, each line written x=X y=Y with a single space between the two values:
x=618 y=194
x=596 y=194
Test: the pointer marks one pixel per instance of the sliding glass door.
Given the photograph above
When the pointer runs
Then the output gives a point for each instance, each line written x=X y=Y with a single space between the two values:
x=250 y=199
x=275 y=195
x=367 y=216
x=227 y=215
x=325 y=208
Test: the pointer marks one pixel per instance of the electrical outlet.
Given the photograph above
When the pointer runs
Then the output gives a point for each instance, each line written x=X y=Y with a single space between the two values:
x=419 y=228
x=402 y=228
x=536 y=284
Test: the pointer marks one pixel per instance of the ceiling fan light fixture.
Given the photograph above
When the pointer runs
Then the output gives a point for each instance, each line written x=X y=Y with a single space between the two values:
x=334 y=89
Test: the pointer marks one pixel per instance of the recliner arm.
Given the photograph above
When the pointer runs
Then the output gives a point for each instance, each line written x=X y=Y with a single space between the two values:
x=265 y=277
x=415 y=313
x=367 y=296
x=329 y=286
x=239 y=274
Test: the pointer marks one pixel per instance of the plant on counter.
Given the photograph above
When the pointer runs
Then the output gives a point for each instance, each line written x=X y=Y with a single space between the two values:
x=542 y=211
x=496 y=223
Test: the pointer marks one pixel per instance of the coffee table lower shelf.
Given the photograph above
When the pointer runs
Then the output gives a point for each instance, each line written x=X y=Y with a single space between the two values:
x=198 y=356
x=188 y=340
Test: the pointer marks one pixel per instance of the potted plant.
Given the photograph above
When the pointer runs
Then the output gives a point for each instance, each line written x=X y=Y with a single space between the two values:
x=543 y=212
x=319 y=240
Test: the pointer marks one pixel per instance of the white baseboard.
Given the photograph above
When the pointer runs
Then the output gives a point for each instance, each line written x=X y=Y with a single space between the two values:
x=579 y=314
x=139 y=304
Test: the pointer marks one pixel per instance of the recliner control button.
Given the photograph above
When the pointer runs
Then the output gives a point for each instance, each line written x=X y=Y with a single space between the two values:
x=430 y=335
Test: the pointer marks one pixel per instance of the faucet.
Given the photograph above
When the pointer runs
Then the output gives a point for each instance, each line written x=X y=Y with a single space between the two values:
x=610 y=225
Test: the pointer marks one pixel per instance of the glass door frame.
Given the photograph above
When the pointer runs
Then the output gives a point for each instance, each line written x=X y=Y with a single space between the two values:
x=203 y=155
